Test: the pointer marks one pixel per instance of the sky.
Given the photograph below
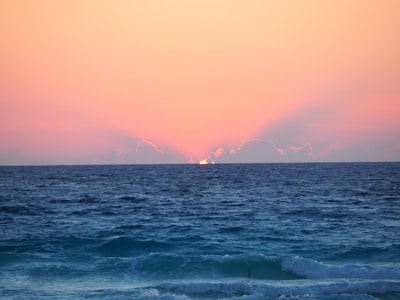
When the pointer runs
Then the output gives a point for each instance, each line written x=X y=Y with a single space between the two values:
x=177 y=81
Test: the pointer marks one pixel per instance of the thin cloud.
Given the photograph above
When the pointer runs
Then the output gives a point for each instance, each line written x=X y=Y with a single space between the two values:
x=153 y=145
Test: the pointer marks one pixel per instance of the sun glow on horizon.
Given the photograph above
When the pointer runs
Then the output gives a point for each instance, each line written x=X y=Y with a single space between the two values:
x=206 y=162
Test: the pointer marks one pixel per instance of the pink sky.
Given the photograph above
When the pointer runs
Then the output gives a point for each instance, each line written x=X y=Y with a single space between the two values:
x=181 y=81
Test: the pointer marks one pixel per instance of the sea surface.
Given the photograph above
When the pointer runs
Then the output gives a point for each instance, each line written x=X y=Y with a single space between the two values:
x=230 y=231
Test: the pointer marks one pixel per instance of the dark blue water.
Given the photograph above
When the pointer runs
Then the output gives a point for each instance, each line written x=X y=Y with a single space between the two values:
x=245 y=231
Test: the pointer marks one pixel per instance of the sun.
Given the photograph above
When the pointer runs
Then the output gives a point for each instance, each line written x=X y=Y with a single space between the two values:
x=205 y=162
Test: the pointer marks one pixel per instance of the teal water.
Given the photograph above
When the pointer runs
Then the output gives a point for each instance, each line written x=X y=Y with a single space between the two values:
x=240 y=231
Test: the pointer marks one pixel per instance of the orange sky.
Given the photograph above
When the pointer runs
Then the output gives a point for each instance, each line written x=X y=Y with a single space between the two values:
x=83 y=81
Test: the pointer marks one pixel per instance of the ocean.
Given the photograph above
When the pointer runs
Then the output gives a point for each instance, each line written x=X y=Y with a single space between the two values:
x=224 y=231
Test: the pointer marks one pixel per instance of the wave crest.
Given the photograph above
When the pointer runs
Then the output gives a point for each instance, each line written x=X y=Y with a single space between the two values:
x=318 y=270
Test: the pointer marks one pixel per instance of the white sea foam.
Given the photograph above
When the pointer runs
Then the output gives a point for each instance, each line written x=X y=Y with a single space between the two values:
x=298 y=288
x=315 y=269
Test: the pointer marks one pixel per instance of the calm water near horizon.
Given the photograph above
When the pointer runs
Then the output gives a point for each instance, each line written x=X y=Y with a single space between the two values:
x=229 y=231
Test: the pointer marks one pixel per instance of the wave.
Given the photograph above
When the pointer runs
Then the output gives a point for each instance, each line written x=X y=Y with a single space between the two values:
x=297 y=290
x=161 y=259
x=151 y=258
x=318 y=270
x=173 y=266
x=182 y=276
x=257 y=267
x=211 y=289
x=161 y=265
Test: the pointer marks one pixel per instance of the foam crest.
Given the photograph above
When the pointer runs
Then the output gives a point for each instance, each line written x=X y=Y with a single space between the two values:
x=297 y=289
x=317 y=270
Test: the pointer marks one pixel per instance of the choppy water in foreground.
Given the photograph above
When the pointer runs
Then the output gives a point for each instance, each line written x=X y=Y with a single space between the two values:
x=245 y=231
